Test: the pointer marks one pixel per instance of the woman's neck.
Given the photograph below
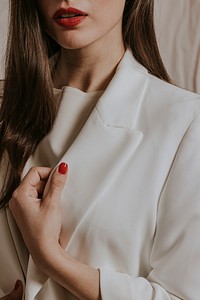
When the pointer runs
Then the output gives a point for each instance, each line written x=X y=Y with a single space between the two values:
x=88 y=69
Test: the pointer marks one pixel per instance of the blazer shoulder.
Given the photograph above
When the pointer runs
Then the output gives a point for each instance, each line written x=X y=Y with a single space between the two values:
x=166 y=88
x=167 y=108
x=171 y=97
x=159 y=93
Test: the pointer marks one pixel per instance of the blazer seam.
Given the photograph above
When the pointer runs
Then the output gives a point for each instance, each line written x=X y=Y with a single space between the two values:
x=111 y=125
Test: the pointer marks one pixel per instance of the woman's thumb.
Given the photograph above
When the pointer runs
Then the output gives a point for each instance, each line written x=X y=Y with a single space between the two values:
x=57 y=181
x=16 y=293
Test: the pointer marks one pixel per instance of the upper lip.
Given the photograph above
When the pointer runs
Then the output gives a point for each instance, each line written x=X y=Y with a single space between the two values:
x=68 y=11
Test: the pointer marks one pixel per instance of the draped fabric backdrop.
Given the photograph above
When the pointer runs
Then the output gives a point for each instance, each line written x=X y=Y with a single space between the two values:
x=3 y=32
x=178 y=26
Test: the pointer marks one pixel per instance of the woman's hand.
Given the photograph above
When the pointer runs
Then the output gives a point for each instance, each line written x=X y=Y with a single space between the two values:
x=16 y=293
x=36 y=209
x=38 y=215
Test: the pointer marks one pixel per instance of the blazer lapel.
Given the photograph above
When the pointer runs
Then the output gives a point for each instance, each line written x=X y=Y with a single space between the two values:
x=104 y=146
x=120 y=105
x=106 y=143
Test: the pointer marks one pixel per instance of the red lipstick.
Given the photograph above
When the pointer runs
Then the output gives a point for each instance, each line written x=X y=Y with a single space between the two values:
x=69 y=17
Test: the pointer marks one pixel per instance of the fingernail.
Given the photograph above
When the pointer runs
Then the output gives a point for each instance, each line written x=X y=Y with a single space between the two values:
x=18 y=283
x=63 y=168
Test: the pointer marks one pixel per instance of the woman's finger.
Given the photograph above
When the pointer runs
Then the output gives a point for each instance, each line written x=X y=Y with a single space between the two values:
x=40 y=187
x=36 y=175
x=32 y=186
x=57 y=182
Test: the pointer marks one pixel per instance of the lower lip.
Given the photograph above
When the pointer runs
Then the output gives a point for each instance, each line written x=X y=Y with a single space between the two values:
x=70 y=22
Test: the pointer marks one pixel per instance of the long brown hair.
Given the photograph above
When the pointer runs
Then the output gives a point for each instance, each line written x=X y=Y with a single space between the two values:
x=28 y=109
x=139 y=35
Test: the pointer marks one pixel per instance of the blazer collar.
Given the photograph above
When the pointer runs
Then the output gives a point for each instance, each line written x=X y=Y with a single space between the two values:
x=120 y=104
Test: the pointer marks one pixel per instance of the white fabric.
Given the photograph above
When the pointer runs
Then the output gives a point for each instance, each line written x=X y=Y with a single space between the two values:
x=177 y=26
x=131 y=203
x=75 y=107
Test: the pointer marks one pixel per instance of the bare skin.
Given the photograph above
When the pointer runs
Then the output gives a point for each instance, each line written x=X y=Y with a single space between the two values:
x=90 y=52
x=39 y=221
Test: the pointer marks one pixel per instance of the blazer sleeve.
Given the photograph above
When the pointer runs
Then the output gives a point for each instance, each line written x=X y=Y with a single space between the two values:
x=175 y=256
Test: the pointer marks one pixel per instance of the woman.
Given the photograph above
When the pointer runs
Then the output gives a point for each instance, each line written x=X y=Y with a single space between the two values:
x=125 y=224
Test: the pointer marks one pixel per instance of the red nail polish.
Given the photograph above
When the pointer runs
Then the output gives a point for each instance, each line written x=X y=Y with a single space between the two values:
x=17 y=285
x=63 y=168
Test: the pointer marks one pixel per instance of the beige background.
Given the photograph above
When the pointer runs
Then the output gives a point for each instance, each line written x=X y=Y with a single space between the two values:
x=177 y=26
x=3 y=32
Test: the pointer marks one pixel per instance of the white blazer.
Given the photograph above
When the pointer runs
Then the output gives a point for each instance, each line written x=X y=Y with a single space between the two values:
x=131 y=206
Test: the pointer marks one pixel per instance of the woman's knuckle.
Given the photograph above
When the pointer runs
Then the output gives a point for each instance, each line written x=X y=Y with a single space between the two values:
x=15 y=194
x=56 y=183
x=33 y=169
